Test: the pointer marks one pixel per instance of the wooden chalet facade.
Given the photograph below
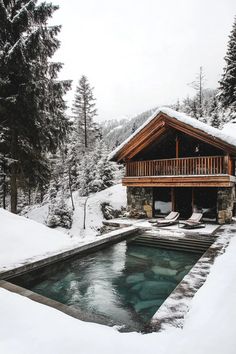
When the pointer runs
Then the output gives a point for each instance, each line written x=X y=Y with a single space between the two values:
x=174 y=162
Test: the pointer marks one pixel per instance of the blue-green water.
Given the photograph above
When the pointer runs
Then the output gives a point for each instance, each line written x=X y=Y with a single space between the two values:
x=125 y=284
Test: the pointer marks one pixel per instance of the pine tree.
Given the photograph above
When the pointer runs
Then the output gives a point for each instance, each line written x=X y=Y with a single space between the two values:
x=198 y=86
x=227 y=94
x=84 y=111
x=190 y=107
x=31 y=98
x=59 y=213
x=214 y=114
x=86 y=174
x=96 y=172
x=134 y=128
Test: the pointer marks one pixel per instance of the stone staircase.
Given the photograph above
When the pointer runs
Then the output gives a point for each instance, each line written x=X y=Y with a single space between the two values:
x=188 y=244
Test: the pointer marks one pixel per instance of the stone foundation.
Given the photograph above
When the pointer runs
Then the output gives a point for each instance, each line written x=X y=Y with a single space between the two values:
x=225 y=204
x=137 y=197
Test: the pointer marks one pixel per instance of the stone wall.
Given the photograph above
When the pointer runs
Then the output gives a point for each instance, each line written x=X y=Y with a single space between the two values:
x=225 y=204
x=137 y=197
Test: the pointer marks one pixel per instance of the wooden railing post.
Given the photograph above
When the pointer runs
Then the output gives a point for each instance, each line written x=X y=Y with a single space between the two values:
x=230 y=165
x=225 y=164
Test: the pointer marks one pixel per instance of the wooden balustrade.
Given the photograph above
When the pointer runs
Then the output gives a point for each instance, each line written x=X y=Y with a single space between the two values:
x=205 y=165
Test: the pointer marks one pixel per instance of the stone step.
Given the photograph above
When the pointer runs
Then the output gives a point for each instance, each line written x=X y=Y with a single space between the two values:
x=182 y=242
x=187 y=240
x=172 y=247
x=159 y=241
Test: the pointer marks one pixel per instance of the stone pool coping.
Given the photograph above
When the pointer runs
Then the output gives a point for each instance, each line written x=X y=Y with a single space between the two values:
x=209 y=230
x=71 y=311
x=101 y=241
x=173 y=311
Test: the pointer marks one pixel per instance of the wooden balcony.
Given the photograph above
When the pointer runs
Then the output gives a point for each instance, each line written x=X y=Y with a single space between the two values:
x=199 y=171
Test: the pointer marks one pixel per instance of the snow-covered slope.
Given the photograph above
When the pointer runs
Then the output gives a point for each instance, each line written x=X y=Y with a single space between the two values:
x=115 y=196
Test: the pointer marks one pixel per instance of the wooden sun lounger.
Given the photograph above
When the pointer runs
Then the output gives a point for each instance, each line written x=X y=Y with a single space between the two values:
x=170 y=219
x=193 y=222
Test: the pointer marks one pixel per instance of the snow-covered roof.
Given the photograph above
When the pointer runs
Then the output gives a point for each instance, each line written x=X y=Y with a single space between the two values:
x=224 y=136
x=230 y=129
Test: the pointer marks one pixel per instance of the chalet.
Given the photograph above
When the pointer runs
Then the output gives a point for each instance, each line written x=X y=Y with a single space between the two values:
x=174 y=162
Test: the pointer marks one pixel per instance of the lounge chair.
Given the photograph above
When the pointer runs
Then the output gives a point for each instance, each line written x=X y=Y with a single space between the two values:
x=170 y=219
x=193 y=222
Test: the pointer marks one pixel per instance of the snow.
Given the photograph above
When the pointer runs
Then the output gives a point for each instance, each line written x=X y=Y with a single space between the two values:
x=230 y=129
x=28 y=327
x=23 y=240
x=116 y=128
x=115 y=196
x=182 y=117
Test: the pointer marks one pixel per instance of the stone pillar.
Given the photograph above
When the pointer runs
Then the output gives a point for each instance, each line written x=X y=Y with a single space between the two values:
x=225 y=204
x=137 y=197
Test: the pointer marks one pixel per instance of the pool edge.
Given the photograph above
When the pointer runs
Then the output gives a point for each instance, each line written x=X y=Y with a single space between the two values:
x=103 y=241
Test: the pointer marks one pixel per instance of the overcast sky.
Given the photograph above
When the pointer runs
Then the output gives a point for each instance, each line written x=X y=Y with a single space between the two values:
x=138 y=54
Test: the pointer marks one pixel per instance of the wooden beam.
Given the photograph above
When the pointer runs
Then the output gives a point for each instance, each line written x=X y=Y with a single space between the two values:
x=179 y=181
x=177 y=147
x=173 y=200
x=151 y=128
x=230 y=165
x=142 y=142
x=193 y=199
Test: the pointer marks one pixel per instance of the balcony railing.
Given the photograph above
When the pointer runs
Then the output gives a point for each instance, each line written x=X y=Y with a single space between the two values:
x=207 y=165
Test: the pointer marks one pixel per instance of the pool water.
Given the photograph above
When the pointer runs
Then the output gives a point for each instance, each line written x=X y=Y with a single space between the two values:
x=125 y=284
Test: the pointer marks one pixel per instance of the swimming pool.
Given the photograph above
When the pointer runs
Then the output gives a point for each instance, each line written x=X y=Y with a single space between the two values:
x=124 y=284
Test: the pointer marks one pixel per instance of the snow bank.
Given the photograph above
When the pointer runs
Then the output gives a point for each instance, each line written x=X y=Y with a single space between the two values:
x=182 y=117
x=22 y=239
x=28 y=327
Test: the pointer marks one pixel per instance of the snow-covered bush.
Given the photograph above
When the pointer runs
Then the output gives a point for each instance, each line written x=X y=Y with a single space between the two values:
x=109 y=212
x=59 y=213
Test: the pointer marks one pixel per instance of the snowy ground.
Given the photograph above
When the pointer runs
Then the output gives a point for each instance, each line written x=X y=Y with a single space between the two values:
x=28 y=327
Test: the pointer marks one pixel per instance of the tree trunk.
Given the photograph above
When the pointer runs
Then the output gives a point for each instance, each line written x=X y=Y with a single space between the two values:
x=85 y=131
x=29 y=195
x=71 y=195
x=13 y=183
x=4 y=189
x=13 y=170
